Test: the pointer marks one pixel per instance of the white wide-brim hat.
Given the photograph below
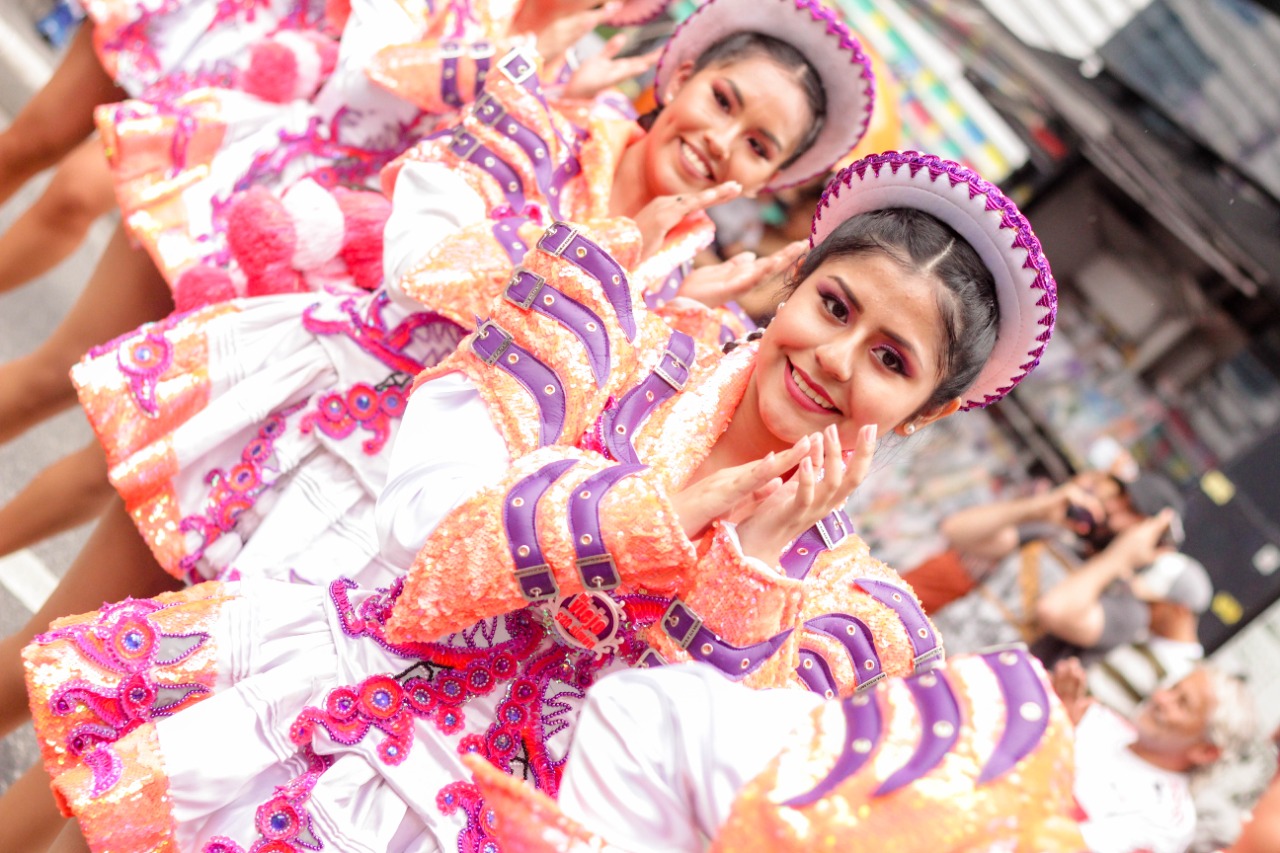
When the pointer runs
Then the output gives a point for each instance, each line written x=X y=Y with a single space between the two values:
x=821 y=37
x=1026 y=293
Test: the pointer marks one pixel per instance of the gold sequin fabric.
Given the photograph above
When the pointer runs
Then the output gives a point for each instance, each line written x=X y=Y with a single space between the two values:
x=1028 y=809
x=93 y=677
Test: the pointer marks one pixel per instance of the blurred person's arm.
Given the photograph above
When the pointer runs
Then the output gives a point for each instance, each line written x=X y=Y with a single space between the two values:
x=1075 y=610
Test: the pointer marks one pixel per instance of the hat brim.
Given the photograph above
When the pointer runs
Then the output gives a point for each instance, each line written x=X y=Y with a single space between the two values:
x=636 y=12
x=825 y=41
x=990 y=222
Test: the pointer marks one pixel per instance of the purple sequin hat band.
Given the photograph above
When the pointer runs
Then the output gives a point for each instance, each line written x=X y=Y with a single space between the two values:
x=988 y=221
x=820 y=34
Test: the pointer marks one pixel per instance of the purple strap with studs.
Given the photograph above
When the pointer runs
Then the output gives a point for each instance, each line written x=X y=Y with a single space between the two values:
x=564 y=173
x=666 y=379
x=563 y=241
x=816 y=674
x=823 y=536
x=923 y=640
x=449 y=73
x=855 y=636
x=530 y=291
x=507 y=233
x=862 y=729
x=1026 y=711
x=595 y=563
x=490 y=111
x=669 y=288
x=537 y=581
x=939 y=729
x=495 y=346
x=467 y=146
x=685 y=627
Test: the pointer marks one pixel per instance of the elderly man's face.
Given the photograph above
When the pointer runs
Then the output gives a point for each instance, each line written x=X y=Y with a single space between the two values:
x=1173 y=721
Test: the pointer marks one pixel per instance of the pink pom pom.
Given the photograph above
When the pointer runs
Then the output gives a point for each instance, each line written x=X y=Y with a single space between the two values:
x=202 y=285
x=364 y=217
x=261 y=236
x=272 y=74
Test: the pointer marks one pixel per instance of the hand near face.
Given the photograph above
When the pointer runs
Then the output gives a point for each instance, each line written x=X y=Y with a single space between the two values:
x=558 y=33
x=804 y=499
x=717 y=284
x=656 y=219
x=734 y=492
x=605 y=69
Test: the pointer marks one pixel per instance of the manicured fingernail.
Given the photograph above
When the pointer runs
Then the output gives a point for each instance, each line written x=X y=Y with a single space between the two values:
x=869 y=434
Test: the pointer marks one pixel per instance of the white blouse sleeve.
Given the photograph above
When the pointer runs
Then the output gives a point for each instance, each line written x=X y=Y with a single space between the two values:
x=659 y=755
x=429 y=202
x=446 y=449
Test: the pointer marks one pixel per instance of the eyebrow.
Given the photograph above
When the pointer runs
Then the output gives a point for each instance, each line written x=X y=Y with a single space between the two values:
x=894 y=336
x=737 y=94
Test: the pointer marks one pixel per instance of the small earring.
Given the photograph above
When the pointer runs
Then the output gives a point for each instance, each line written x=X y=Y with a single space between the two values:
x=779 y=308
x=909 y=429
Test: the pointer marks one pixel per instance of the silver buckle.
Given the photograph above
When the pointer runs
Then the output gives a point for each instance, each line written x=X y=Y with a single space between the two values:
x=826 y=537
x=667 y=377
x=650 y=658
x=596 y=560
x=928 y=657
x=527 y=302
x=670 y=620
x=489 y=110
x=537 y=594
x=481 y=49
x=870 y=682
x=452 y=49
x=570 y=234
x=468 y=140
x=482 y=333
x=517 y=55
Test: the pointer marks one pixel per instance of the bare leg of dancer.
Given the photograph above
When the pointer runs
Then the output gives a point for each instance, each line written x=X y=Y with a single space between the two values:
x=58 y=117
x=124 y=291
x=70 y=841
x=114 y=564
x=31 y=817
x=70 y=492
x=51 y=229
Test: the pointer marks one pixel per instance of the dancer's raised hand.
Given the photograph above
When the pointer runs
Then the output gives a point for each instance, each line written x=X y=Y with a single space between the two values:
x=805 y=497
x=734 y=492
x=658 y=217
x=605 y=69
x=716 y=284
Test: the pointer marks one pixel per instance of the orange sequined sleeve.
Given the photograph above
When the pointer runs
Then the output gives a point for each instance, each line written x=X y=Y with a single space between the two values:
x=710 y=326
x=561 y=520
x=439 y=75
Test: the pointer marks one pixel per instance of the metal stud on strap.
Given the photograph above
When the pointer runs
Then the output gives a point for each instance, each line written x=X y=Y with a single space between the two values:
x=464 y=144
x=519 y=277
x=677 y=613
x=517 y=67
x=540 y=573
x=598 y=580
x=489 y=109
x=661 y=370
x=482 y=333
x=566 y=232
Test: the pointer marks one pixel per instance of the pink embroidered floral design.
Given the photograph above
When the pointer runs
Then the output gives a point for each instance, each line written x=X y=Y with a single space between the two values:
x=234 y=490
x=144 y=360
x=363 y=406
x=124 y=639
x=283 y=823
x=370 y=330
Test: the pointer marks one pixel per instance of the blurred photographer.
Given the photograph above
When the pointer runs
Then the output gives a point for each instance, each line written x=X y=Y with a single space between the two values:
x=1059 y=570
